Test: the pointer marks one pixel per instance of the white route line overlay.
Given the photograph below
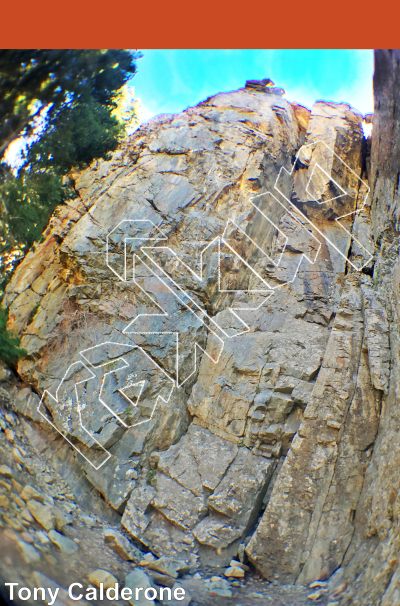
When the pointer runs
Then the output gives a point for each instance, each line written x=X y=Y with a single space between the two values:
x=92 y=375
x=199 y=276
x=352 y=237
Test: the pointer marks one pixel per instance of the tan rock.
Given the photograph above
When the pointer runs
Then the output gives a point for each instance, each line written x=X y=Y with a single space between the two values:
x=6 y=471
x=234 y=571
x=120 y=544
x=26 y=515
x=29 y=492
x=10 y=435
x=18 y=456
x=169 y=566
x=16 y=486
x=47 y=516
x=43 y=514
x=314 y=596
x=102 y=576
x=278 y=545
x=18 y=501
x=13 y=522
x=4 y=502
x=240 y=564
x=308 y=374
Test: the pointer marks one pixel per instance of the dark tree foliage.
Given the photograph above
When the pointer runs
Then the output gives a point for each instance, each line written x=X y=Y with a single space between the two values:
x=81 y=131
x=29 y=200
x=9 y=343
x=77 y=88
x=45 y=76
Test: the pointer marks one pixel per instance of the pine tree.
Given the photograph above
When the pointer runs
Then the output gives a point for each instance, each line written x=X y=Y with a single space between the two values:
x=76 y=92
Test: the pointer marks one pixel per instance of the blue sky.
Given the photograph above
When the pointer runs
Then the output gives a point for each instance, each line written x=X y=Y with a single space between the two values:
x=168 y=81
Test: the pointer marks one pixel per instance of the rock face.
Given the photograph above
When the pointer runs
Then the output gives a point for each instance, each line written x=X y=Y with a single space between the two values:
x=212 y=329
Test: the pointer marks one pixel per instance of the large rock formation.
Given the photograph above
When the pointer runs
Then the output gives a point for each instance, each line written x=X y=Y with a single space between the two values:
x=212 y=329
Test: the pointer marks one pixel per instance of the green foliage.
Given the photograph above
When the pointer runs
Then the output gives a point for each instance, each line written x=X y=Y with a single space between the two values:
x=151 y=478
x=78 y=89
x=33 y=78
x=33 y=312
x=30 y=200
x=9 y=343
x=81 y=131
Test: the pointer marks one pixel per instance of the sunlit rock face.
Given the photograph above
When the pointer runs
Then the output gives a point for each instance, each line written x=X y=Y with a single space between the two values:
x=212 y=338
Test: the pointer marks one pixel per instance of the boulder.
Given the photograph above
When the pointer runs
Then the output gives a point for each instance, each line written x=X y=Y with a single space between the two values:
x=102 y=576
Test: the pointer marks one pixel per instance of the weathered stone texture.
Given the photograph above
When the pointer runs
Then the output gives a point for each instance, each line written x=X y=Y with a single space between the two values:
x=259 y=339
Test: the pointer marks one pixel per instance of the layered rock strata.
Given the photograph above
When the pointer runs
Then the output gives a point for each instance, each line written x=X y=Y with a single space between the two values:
x=212 y=329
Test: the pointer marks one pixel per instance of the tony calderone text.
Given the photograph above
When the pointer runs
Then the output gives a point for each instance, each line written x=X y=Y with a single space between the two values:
x=77 y=592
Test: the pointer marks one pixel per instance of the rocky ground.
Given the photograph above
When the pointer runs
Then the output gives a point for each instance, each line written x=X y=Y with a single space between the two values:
x=45 y=534
x=212 y=330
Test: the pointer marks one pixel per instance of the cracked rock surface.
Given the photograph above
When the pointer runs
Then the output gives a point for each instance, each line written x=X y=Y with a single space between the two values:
x=212 y=377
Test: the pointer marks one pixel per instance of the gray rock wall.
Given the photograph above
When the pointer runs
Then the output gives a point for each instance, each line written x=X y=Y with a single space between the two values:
x=212 y=329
